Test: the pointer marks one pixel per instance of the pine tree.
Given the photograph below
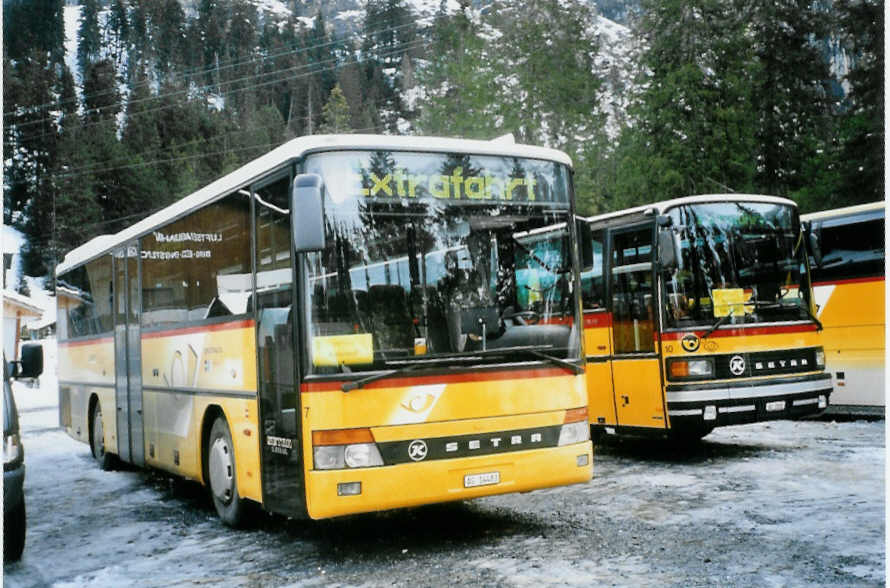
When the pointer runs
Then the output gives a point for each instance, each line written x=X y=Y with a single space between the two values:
x=335 y=115
x=389 y=33
x=460 y=90
x=861 y=157
x=692 y=129
x=790 y=91
x=89 y=44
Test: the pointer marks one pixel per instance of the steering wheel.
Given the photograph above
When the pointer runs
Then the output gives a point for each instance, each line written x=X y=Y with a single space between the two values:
x=524 y=317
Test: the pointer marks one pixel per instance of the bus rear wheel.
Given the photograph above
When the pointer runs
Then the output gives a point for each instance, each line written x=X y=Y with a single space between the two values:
x=220 y=467
x=97 y=440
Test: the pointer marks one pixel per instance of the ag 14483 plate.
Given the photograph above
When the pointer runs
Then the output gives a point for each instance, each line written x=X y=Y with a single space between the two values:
x=486 y=479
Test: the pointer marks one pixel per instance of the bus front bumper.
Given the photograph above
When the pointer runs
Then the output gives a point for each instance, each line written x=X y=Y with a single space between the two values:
x=443 y=480
x=737 y=402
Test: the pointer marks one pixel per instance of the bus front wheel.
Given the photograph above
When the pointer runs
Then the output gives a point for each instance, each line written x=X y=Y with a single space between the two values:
x=221 y=472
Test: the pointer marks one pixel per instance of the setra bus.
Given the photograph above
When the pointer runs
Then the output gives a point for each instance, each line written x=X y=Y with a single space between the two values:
x=698 y=313
x=847 y=268
x=337 y=327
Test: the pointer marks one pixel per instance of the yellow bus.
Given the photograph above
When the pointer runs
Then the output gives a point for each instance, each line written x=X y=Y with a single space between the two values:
x=698 y=313
x=337 y=327
x=847 y=267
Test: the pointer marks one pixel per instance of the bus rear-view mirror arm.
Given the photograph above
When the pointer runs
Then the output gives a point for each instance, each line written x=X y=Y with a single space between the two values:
x=307 y=213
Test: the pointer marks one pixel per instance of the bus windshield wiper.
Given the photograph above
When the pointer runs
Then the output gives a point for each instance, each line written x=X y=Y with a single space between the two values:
x=772 y=305
x=534 y=351
x=717 y=324
x=407 y=365
x=352 y=385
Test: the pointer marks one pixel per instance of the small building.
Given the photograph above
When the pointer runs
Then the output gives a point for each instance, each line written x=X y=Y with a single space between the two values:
x=18 y=312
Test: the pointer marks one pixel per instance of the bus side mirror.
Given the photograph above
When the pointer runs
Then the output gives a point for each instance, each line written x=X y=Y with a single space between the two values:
x=585 y=243
x=307 y=213
x=813 y=245
x=667 y=250
x=32 y=361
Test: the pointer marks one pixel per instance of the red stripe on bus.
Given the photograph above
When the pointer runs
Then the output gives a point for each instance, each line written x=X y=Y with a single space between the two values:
x=597 y=319
x=397 y=382
x=850 y=281
x=242 y=324
x=79 y=342
x=741 y=332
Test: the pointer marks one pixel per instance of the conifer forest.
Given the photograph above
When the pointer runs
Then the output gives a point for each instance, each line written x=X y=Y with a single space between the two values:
x=113 y=109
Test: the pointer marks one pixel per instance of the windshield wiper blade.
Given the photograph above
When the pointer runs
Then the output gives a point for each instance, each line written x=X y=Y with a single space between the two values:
x=777 y=304
x=353 y=384
x=717 y=324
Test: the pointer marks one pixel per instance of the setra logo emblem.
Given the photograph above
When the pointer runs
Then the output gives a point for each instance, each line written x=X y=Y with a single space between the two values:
x=737 y=365
x=417 y=450
x=690 y=342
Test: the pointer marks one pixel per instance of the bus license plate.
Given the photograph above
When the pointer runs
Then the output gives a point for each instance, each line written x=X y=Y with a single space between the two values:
x=486 y=479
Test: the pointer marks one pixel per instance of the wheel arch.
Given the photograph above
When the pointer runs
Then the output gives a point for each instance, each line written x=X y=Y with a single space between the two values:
x=211 y=413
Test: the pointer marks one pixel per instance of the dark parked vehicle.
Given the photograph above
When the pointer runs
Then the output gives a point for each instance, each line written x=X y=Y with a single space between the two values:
x=30 y=366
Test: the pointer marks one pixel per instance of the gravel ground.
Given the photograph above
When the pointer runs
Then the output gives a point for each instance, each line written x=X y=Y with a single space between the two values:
x=775 y=504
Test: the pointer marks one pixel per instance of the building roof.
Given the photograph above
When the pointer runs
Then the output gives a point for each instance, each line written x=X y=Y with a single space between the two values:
x=21 y=304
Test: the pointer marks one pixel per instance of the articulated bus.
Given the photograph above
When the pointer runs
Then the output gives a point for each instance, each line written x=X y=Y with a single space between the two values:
x=343 y=325
x=847 y=268
x=698 y=313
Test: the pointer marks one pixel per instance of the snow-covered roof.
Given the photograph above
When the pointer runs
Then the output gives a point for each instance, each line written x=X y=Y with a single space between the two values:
x=21 y=302
x=664 y=206
x=844 y=211
x=294 y=149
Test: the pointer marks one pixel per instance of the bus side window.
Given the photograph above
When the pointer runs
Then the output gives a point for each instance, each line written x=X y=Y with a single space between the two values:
x=593 y=286
x=854 y=249
x=633 y=316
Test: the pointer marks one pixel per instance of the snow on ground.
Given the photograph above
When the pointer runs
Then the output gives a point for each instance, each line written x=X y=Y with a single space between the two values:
x=772 y=504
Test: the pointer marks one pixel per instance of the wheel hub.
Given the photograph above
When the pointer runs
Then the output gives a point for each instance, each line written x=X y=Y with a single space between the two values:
x=221 y=470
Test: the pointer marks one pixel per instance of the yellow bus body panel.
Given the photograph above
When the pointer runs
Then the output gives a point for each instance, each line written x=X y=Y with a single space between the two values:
x=630 y=392
x=436 y=410
x=91 y=362
x=638 y=397
x=184 y=373
x=853 y=314
x=414 y=484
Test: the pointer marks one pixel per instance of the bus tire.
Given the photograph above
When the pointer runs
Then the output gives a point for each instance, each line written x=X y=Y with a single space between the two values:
x=221 y=474
x=97 y=439
x=690 y=436
x=14 y=532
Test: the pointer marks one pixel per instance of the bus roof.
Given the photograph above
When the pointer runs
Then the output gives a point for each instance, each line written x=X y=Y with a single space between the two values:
x=823 y=214
x=665 y=205
x=296 y=149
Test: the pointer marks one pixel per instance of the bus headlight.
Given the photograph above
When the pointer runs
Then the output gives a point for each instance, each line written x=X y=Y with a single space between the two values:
x=13 y=454
x=680 y=369
x=575 y=428
x=573 y=433
x=329 y=457
x=362 y=455
x=820 y=358
x=345 y=448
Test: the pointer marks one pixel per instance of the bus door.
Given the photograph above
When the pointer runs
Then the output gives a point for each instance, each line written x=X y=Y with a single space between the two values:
x=280 y=449
x=597 y=334
x=636 y=371
x=128 y=356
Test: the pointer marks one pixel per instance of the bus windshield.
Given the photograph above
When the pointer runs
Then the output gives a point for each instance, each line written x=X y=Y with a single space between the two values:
x=430 y=259
x=737 y=262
